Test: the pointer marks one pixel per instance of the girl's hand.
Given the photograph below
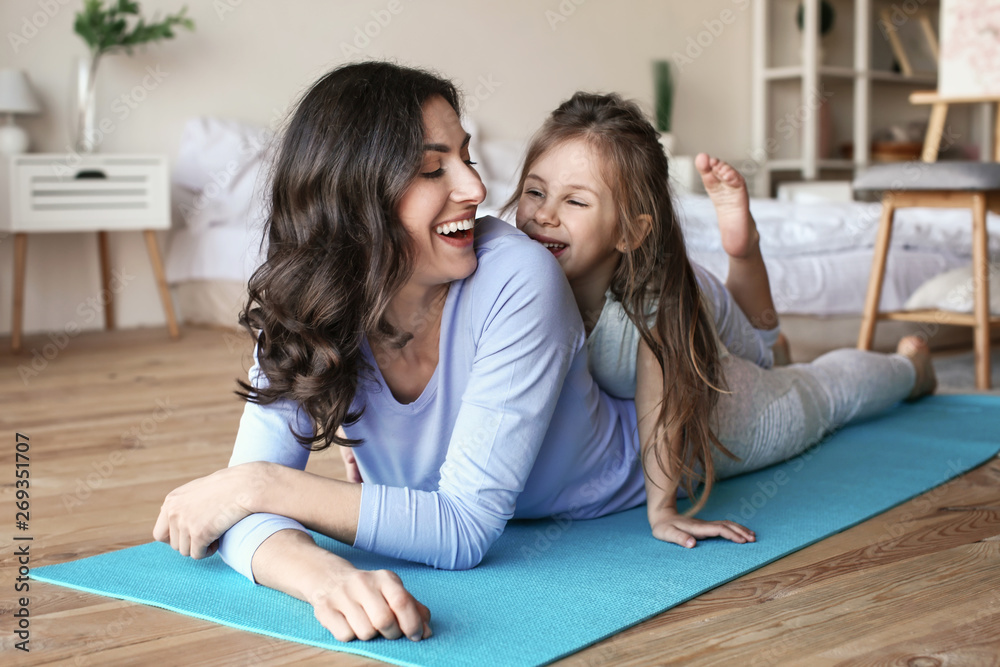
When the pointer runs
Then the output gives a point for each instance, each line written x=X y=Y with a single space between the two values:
x=672 y=526
x=351 y=464
x=195 y=515
x=366 y=604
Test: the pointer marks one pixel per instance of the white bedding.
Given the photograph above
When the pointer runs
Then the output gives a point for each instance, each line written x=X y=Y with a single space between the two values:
x=818 y=255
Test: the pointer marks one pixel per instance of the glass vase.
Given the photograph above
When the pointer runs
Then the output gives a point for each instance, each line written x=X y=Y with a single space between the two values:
x=84 y=106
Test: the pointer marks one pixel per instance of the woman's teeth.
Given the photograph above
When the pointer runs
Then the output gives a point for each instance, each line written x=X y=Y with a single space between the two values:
x=554 y=246
x=451 y=227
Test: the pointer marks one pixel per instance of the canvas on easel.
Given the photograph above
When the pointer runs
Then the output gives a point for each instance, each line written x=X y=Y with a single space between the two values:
x=970 y=49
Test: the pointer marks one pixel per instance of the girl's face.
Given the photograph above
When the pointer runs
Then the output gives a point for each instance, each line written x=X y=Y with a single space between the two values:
x=439 y=207
x=566 y=205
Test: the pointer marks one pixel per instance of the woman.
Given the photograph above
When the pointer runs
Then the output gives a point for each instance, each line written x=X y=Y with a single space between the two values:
x=452 y=357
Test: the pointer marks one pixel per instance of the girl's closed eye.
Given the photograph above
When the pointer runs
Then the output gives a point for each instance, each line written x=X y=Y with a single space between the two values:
x=532 y=192
x=577 y=202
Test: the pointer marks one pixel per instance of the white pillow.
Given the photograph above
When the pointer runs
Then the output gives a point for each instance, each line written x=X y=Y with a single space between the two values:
x=953 y=291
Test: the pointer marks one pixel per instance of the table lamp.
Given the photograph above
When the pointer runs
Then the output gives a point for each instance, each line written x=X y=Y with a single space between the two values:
x=15 y=97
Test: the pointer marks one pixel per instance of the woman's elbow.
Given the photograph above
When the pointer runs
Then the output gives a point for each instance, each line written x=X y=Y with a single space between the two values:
x=469 y=548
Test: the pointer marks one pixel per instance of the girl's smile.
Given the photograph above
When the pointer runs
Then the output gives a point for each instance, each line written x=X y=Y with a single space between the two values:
x=566 y=206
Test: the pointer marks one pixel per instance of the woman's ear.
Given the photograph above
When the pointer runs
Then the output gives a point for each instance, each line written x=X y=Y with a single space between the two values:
x=636 y=233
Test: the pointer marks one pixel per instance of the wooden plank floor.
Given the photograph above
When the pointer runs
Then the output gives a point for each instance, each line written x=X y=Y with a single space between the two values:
x=116 y=420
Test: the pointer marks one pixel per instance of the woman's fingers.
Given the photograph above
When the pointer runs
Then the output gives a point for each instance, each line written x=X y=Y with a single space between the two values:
x=334 y=621
x=357 y=618
x=405 y=609
x=372 y=604
x=161 y=529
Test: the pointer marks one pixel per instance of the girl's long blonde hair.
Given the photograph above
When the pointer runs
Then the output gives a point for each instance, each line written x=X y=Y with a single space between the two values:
x=654 y=271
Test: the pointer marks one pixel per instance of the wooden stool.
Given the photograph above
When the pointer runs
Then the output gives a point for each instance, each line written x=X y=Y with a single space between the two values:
x=972 y=185
x=939 y=113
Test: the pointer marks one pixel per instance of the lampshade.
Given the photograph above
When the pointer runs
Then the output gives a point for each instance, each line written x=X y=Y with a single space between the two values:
x=16 y=95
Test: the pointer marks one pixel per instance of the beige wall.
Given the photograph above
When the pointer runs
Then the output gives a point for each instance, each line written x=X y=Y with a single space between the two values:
x=250 y=62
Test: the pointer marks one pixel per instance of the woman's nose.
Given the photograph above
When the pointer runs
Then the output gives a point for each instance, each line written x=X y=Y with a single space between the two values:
x=469 y=187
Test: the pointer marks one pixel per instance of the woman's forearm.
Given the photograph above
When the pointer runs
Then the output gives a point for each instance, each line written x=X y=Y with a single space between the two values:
x=328 y=506
x=290 y=561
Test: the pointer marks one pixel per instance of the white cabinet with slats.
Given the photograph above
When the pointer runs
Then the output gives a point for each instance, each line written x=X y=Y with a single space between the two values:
x=89 y=193
x=62 y=193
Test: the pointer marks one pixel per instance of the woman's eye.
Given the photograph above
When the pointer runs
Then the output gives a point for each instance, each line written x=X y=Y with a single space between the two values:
x=437 y=173
x=471 y=163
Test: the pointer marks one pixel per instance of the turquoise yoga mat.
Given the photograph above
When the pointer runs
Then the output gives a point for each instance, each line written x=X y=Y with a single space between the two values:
x=549 y=588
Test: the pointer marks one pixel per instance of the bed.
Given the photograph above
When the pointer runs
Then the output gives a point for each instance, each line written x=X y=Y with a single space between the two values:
x=818 y=255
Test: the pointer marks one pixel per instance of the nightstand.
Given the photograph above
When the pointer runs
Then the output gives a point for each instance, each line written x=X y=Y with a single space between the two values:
x=85 y=193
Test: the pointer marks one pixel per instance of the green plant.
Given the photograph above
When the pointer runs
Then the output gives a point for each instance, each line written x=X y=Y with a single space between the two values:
x=106 y=30
x=827 y=17
x=664 y=81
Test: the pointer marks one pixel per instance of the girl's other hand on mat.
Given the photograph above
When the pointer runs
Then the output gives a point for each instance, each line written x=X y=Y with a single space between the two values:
x=194 y=516
x=366 y=604
x=672 y=526
x=351 y=464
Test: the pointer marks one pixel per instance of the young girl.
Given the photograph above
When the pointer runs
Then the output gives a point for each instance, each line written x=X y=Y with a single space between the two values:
x=594 y=192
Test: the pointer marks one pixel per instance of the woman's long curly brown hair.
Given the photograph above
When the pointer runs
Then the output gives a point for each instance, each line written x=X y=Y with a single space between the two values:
x=654 y=272
x=337 y=251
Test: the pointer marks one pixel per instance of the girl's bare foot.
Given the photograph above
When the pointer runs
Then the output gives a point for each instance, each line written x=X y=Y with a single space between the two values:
x=728 y=191
x=916 y=350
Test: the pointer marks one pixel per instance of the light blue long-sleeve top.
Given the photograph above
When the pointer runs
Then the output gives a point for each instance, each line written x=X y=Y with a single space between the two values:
x=510 y=425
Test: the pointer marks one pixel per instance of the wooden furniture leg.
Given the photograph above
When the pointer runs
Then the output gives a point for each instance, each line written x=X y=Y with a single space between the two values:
x=996 y=132
x=108 y=297
x=161 y=282
x=20 y=268
x=981 y=290
x=935 y=130
x=874 y=296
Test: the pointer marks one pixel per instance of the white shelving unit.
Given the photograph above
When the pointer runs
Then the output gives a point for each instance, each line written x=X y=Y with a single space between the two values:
x=810 y=73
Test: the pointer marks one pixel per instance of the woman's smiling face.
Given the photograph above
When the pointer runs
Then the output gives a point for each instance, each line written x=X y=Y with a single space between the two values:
x=566 y=205
x=439 y=207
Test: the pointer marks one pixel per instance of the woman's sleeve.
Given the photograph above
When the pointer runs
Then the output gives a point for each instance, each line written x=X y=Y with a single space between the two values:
x=527 y=331
x=263 y=435
x=735 y=330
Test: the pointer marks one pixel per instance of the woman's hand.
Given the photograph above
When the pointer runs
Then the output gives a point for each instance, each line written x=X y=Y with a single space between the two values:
x=366 y=604
x=672 y=526
x=195 y=515
x=350 y=603
x=351 y=464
